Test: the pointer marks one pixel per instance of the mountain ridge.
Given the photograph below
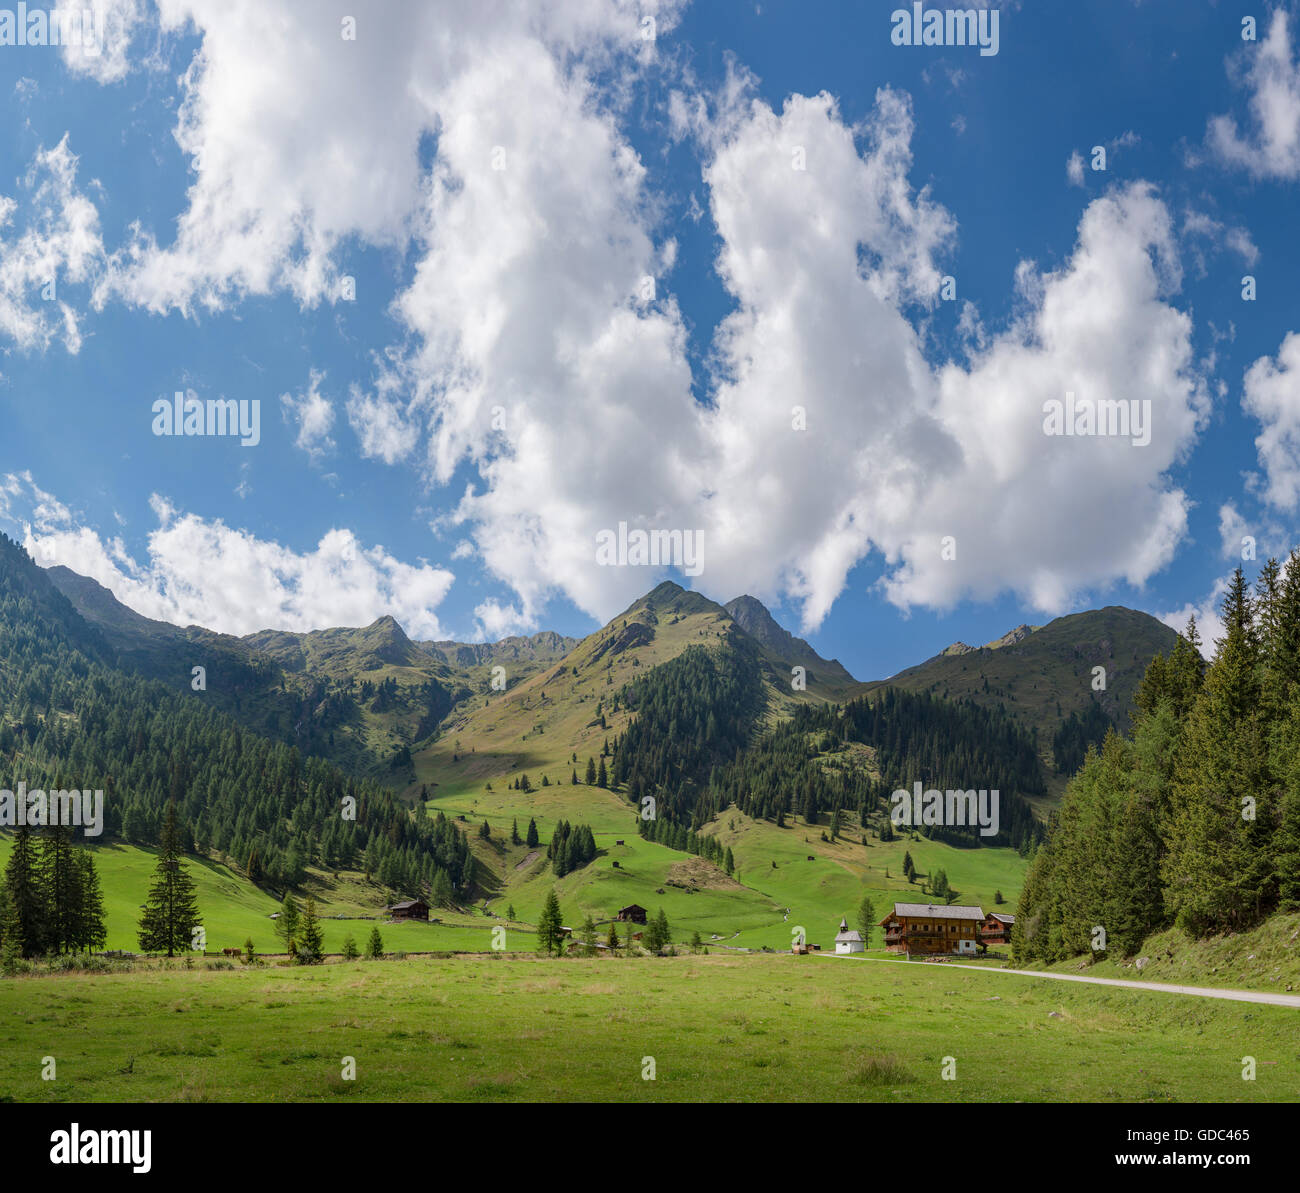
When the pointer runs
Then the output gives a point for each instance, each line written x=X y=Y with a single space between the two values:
x=1042 y=676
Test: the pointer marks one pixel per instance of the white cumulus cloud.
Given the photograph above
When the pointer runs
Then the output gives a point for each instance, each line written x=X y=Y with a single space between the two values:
x=204 y=572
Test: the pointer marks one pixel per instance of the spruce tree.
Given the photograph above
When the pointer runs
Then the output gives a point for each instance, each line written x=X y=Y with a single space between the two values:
x=866 y=918
x=311 y=941
x=23 y=882
x=532 y=837
x=549 y=924
x=61 y=885
x=662 y=932
x=375 y=945
x=91 y=925
x=1218 y=869
x=286 y=927
x=11 y=935
x=170 y=912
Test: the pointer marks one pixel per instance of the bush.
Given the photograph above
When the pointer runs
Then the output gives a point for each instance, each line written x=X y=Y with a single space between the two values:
x=78 y=963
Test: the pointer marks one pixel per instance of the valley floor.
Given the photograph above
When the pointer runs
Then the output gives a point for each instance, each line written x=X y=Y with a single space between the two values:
x=708 y=1028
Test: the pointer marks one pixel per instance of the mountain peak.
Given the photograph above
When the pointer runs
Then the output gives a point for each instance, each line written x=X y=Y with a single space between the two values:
x=386 y=639
x=1011 y=637
x=752 y=616
x=671 y=597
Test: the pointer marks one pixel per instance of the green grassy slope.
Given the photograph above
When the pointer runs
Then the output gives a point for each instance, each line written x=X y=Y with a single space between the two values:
x=814 y=893
x=832 y=885
x=1265 y=958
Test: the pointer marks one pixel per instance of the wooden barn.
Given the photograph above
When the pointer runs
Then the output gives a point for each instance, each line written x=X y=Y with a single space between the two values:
x=933 y=929
x=996 y=928
x=634 y=913
x=409 y=909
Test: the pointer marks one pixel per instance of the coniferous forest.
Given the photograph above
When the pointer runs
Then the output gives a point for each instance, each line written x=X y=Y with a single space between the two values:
x=1194 y=818
x=695 y=746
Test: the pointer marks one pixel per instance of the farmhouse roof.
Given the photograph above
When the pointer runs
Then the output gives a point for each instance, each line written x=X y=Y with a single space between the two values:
x=407 y=904
x=1006 y=919
x=936 y=911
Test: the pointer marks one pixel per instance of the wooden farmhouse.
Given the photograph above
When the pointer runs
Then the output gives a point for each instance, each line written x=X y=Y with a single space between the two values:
x=634 y=913
x=996 y=928
x=931 y=929
x=410 y=909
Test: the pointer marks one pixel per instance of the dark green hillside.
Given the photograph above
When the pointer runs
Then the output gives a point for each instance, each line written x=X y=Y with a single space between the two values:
x=697 y=744
x=1041 y=676
x=690 y=715
x=829 y=759
x=363 y=698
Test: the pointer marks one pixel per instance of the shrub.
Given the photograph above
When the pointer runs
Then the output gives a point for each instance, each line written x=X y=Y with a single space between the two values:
x=879 y=1069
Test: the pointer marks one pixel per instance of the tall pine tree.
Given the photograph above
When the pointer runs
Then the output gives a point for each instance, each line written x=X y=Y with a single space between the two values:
x=170 y=913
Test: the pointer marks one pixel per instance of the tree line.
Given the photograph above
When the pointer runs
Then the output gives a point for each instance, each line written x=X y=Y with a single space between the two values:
x=1193 y=819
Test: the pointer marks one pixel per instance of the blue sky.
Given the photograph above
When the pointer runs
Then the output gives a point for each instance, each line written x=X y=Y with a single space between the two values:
x=384 y=482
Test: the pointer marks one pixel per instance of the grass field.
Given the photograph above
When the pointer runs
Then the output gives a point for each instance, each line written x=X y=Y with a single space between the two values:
x=725 y=1028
